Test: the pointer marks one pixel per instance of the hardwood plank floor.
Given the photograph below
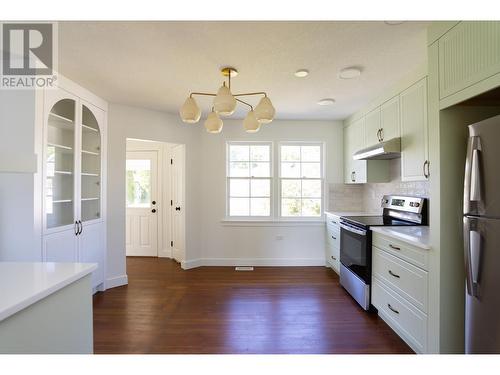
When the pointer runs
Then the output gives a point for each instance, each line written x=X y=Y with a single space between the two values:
x=219 y=310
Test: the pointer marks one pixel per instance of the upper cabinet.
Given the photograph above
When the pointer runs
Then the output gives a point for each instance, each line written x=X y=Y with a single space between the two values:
x=389 y=119
x=372 y=128
x=414 y=139
x=468 y=53
x=361 y=171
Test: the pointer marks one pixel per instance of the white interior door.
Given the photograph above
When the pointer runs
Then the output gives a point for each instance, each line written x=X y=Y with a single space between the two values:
x=142 y=211
x=178 y=245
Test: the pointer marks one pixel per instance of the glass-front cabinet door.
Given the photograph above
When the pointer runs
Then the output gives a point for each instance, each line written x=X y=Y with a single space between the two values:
x=90 y=182
x=60 y=164
x=73 y=154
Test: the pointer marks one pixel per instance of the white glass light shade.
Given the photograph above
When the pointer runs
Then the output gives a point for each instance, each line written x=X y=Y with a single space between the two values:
x=213 y=123
x=250 y=123
x=190 y=112
x=264 y=112
x=224 y=102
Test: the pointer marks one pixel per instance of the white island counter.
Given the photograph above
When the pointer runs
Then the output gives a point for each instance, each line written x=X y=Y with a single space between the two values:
x=46 y=307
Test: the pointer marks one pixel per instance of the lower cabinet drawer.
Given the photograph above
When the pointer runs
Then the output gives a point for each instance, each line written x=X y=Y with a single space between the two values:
x=407 y=280
x=333 y=257
x=333 y=235
x=408 y=322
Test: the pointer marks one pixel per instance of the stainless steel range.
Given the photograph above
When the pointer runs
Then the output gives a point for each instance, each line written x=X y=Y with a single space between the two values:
x=356 y=241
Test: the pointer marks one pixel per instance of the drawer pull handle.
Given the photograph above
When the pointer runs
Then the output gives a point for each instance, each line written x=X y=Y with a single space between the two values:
x=394 y=247
x=334 y=258
x=334 y=222
x=392 y=308
x=393 y=274
x=334 y=238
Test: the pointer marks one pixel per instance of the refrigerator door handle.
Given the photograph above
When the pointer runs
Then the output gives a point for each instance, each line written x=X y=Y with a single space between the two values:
x=475 y=178
x=472 y=180
x=472 y=242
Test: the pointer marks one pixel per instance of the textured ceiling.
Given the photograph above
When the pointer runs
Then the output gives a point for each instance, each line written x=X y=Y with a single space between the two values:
x=156 y=64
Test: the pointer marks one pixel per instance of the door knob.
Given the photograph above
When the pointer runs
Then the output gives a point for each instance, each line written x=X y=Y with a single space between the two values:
x=177 y=208
x=153 y=210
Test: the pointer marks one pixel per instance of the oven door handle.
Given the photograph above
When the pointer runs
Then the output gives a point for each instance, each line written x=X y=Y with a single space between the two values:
x=350 y=228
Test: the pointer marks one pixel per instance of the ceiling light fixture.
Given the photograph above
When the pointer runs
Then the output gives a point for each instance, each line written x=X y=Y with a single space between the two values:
x=224 y=104
x=327 y=101
x=350 y=72
x=301 y=73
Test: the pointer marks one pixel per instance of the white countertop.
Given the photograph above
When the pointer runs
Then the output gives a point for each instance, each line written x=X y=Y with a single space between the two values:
x=23 y=284
x=352 y=213
x=414 y=235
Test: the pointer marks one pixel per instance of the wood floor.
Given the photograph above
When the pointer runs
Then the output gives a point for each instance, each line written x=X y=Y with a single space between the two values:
x=219 y=310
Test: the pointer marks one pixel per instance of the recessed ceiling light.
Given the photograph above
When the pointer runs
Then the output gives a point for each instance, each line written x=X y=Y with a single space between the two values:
x=327 y=101
x=301 y=73
x=350 y=72
x=393 y=23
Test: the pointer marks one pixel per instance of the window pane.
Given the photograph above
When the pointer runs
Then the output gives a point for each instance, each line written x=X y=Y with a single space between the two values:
x=311 y=170
x=260 y=206
x=138 y=174
x=239 y=188
x=239 y=153
x=290 y=170
x=260 y=153
x=239 y=207
x=260 y=169
x=290 y=153
x=290 y=207
x=311 y=153
x=290 y=188
x=311 y=188
x=239 y=169
x=261 y=188
x=311 y=207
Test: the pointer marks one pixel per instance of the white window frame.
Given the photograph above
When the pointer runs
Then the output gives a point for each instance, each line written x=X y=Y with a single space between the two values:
x=321 y=178
x=271 y=179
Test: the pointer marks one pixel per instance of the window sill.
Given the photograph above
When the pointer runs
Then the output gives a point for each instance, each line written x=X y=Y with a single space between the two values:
x=272 y=223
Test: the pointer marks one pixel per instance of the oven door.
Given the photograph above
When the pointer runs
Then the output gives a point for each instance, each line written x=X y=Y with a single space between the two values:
x=355 y=253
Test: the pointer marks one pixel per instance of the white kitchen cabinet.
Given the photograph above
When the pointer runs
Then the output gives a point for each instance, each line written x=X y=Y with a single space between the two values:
x=414 y=133
x=332 y=242
x=60 y=247
x=468 y=53
x=91 y=249
x=361 y=171
x=73 y=181
x=372 y=128
x=390 y=119
x=400 y=288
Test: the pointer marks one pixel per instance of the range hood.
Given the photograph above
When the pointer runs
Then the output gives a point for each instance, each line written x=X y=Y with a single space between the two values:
x=390 y=149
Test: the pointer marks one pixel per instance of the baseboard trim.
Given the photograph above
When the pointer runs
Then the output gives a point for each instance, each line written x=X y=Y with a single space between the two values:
x=262 y=262
x=114 y=282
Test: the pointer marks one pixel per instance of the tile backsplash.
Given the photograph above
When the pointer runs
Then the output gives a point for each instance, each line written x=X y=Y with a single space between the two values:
x=366 y=197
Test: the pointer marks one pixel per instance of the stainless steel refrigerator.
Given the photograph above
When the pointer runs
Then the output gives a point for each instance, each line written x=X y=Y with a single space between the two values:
x=482 y=237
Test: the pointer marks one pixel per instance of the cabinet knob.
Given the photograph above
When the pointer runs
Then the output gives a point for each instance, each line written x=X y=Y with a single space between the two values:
x=153 y=202
x=394 y=247
x=153 y=210
x=334 y=238
x=333 y=257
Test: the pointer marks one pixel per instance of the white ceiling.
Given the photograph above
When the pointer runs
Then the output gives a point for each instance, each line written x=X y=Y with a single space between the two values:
x=156 y=64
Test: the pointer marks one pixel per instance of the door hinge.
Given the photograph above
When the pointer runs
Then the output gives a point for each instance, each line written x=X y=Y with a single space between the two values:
x=171 y=243
x=171 y=161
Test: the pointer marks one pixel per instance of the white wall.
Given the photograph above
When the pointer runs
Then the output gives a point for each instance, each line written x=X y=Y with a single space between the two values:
x=18 y=224
x=208 y=241
x=262 y=245
x=131 y=122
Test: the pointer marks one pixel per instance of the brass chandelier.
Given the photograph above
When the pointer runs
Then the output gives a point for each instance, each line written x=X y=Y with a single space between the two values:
x=224 y=104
